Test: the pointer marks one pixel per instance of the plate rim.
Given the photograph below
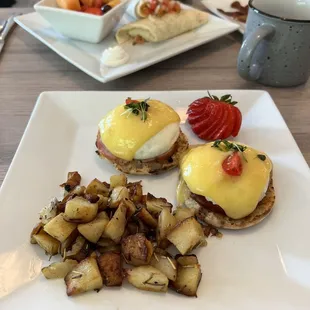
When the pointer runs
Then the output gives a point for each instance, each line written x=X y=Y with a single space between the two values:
x=230 y=27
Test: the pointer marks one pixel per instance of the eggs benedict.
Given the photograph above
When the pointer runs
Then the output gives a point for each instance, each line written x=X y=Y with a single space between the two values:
x=141 y=137
x=228 y=183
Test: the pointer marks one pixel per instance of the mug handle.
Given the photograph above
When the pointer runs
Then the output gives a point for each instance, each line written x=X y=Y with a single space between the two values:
x=247 y=50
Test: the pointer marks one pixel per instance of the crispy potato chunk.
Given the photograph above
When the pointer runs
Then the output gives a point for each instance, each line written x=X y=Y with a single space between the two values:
x=188 y=276
x=131 y=208
x=148 y=278
x=59 y=270
x=166 y=223
x=182 y=213
x=117 y=195
x=137 y=250
x=187 y=235
x=35 y=231
x=147 y=218
x=102 y=203
x=93 y=230
x=73 y=180
x=135 y=191
x=79 y=250
x=163 y=261
x=80 y=210
x=118 y=180
x=95 y=187
x=59 y=228
x=110 y=266
x=155 y=205
x=67 y=244
x=49 y=244
x=84 y=277
x=116 y=226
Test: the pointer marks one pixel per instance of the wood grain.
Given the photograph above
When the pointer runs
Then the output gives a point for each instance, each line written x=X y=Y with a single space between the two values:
x=27 y=68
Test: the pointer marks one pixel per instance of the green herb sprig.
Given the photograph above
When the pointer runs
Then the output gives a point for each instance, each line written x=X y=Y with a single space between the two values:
x=136 y=107
x=226 y=146
x=262 y=157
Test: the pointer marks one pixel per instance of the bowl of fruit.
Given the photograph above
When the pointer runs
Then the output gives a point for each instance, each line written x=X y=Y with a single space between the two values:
x=86 y=20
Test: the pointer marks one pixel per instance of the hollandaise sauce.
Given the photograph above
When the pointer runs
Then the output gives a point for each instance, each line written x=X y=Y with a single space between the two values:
x=123 y=133
x=238 y=196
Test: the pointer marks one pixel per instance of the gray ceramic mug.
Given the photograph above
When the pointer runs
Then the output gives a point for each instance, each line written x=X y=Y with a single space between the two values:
x=276 y=46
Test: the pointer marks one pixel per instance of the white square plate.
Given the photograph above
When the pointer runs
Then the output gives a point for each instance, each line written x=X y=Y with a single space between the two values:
x=86 y=56
x=264 y=267
x=214 y=5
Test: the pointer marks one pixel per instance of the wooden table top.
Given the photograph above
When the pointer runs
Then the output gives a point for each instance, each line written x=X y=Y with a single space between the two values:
x=27 y=68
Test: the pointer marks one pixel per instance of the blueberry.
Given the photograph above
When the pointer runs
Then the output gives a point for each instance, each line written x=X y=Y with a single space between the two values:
x=106 y=8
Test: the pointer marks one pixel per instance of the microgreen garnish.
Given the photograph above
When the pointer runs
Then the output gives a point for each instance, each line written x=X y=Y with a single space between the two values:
x=136 y=107
x=226 y=146
x=226 y=98
x=261 y=157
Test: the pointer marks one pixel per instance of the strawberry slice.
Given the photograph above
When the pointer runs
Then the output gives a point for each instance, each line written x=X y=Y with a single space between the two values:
x=221 y=117
x=214 y=118
x=238 y=121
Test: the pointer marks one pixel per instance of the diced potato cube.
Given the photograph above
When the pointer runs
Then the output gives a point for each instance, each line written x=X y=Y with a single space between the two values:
x=187 y=235
x=148 y=278
x=80 y=210
x=118 y=180
x=84 y=277
x=110 y=266
x=59 y=228
x=59 y=269
x=156 y=205
x=117 y=195
x=182 y=213
x=166 y=223
x=163 y=261
x=49 y=244
x=147 y=218
x=95 y=187
x=79 y=251
x=93 y=230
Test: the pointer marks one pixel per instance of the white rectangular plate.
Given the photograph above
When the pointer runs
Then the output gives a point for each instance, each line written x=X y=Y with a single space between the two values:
x=214 y=5
x=86 y=56
x=264 y=267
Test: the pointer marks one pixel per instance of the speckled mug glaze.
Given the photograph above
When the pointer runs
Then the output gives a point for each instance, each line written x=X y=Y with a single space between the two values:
x=275 y=50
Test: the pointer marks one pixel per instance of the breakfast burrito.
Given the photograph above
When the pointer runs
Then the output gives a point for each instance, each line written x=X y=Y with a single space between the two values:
x=143 y=8
x=156 y=29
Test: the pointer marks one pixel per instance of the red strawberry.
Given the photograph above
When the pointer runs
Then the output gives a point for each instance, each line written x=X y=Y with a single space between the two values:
x=214 y=118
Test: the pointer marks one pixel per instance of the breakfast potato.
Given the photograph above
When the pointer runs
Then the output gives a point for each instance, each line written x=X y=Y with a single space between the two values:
x=182 y=213
x=137 y=250
x=156 y=205
x=95 y=187
x=59 y=228
x=49 y=211
x=93 y=230
x=104 y=242
x=188 y=276
x=35 y=231
x=116 y=248
x=163 y=261
x=59 y=269
x=67 y=244
x=80 y=210
x=135 y=191
x=49 y=244
x=187 y=235
x=79 y=250
x=147 y=278
x=166 y=222
x=84 y=277
x=110 y=266
x=117 y=195
x=102 y=203
x=118 y=180
x=147 y=218
x=116 y=226
x=130 y=206
x=73 y=180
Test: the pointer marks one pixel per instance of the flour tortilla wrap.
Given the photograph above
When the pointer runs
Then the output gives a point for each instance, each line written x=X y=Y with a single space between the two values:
x=156 y=29
x=133 y=9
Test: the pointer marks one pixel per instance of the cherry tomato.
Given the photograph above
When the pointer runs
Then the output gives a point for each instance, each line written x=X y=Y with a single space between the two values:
x=232 y=164
x=95 y=11
x=129 y=101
